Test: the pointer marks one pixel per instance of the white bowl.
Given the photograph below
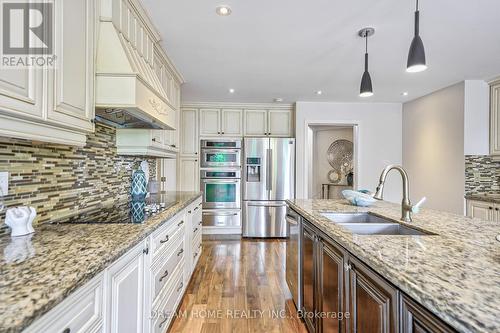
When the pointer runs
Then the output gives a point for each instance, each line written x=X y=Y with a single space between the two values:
x=358 y=198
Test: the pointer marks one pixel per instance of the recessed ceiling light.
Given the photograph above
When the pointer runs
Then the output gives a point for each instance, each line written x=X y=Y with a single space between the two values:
x=405 y=93
x=319 y=92
x=223 y=10
x=278 y=99
x=231 y=91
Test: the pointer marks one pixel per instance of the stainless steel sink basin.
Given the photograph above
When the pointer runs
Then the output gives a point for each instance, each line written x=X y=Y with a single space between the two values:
x=369 y=224
x=355 y=218
x=382 y=229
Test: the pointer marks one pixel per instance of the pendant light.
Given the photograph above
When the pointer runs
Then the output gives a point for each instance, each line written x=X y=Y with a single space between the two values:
x=416 y=55
x=366 y=89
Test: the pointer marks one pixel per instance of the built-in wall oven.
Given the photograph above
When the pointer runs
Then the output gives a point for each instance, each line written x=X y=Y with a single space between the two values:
x=221 y=188
x=220 y=182
x=220 y=153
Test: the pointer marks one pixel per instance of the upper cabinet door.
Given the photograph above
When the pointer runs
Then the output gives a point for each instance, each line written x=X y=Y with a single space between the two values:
x=255 y=122
x=280 y=123
x=189 y=132
x=21 y=92
x=71 y=102
x=232 y=122
x=495 y=119
x=209 y=122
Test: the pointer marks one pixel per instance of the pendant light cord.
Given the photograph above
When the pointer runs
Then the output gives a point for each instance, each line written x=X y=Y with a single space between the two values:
x=366 y=51
x=417 y=21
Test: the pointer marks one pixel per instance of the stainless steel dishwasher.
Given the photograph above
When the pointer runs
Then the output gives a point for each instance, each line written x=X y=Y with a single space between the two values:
x=294 y=257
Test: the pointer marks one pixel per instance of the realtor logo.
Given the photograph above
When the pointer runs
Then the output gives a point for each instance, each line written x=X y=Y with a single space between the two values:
x=27 y=33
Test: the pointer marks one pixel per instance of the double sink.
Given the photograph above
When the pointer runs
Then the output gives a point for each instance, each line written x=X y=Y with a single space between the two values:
x=370 y=224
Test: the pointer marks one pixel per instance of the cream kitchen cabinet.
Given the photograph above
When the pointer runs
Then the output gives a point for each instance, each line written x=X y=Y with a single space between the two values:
x=189 y=174
x=145 y=142
x=221 y=122
x=275 y=123
x=125 y=295
x=495 y=118
x=483 y=210
x=55 y=104
x=189 y=138
x=81 y=312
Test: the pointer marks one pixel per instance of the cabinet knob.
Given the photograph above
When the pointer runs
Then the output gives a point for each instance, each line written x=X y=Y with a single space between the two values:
x=497 y=209
x=196 y=153
x=66 y=330
x=180 y=223
x=154 y=140
x=222 y=132
x=490 y=208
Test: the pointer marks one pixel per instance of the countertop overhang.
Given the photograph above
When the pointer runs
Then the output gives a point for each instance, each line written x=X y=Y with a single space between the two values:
x=65 y=257
x=454 y=274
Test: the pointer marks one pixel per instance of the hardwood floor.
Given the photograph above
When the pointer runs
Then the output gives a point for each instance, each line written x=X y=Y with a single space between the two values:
x=239 y=286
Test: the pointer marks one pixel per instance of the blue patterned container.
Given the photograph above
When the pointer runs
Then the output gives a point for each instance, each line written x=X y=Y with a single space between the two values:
x=139 y=185
x=138 y=211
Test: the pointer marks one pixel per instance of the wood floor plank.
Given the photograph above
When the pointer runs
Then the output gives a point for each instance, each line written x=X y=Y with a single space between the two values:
x=239 y=286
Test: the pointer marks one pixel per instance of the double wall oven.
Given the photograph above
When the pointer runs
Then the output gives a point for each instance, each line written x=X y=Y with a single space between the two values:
x=220 y=182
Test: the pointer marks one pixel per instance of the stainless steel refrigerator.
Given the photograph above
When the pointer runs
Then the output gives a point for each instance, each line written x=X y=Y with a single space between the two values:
x=268 y=180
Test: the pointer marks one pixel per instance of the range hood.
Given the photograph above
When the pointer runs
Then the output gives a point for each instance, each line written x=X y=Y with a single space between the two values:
x=129 y=93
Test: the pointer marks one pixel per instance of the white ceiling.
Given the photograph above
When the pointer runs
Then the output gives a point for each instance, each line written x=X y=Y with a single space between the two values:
x=292 y=48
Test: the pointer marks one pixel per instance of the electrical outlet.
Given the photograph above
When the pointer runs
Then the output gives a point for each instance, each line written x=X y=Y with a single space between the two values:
x=4 y=183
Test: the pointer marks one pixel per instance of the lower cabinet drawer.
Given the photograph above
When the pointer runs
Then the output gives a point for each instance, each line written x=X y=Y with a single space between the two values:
x=167 y=264
x=82 y=311
x=163 y=237
x=166 y=311
x=218 y=218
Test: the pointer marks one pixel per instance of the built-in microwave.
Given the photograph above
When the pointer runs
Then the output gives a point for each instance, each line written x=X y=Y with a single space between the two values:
x=220 y=153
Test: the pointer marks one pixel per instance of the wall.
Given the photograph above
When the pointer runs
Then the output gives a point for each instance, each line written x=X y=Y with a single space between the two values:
x=379 y=140
x=433 y=148
x=58 y=180
x=323 y=138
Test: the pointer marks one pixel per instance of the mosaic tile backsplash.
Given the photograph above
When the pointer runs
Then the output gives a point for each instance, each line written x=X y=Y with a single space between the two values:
x=482 y=175
x=60 y=180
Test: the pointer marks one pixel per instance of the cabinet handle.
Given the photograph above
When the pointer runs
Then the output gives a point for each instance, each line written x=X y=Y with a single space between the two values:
x=194 y=255
x=164 y=240
x=196 y=208
x=180 y=287
x=180 y=223
x=66 y=330
x=490 y=208
x=146 y=250
x=195 y=230
x=180 y=252
x=189 y=212
x=164 y=275
x=154 y=140
x=174 y=146
x=347 y=267
x=199 y=223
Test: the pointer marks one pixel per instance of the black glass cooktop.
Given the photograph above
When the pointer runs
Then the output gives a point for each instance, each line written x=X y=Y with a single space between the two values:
x=120 y=212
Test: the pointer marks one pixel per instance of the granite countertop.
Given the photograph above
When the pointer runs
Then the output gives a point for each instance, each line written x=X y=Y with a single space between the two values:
x=454 y=274
x=59 y=258
x=494 y=198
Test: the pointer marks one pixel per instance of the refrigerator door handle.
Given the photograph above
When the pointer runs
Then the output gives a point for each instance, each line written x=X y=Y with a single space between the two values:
x=266 y=204
x=269 y=169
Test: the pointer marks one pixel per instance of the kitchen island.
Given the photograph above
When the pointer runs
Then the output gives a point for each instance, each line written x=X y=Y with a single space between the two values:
x=453 y=275
x=60 y=258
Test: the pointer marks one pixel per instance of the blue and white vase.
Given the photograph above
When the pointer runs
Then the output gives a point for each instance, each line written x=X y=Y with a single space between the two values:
x=139 y=185
x=138 y=209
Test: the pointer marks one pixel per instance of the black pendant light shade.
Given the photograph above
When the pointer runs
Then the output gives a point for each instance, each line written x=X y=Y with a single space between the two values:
x=416 y=55
x=366 y=88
